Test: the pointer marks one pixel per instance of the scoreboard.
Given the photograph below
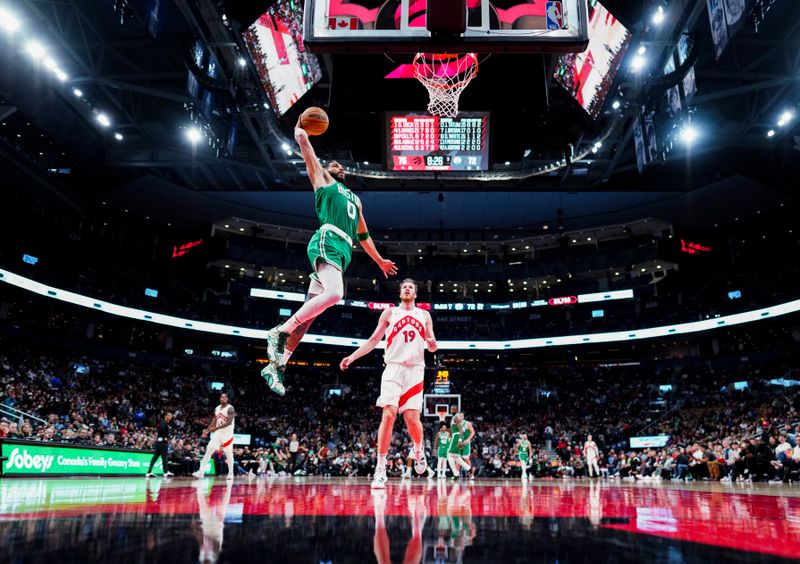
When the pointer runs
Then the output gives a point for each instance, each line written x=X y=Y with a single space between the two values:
x=425 y=142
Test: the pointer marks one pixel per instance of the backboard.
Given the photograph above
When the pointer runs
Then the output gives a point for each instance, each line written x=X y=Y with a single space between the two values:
x=399 y=26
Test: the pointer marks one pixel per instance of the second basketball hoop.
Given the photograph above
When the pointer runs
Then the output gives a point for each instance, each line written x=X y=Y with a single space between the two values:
x=445 y=76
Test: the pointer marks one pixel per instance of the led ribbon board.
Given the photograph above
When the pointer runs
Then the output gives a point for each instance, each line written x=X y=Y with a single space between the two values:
x=589 y=338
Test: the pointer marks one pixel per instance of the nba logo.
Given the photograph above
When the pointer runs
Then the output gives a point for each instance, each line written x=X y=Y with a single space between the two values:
x=555 y=15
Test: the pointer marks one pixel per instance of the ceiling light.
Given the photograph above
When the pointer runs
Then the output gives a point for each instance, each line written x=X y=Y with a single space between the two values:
x=508 y=163
x=78 y=92
x=688 y=134
x=35 y=49
x=61 y=75
x=616 y=104
x=786 y=117
x=771 y=133
x=658 y=16
x=242 y=61
x=598 y=144
x=193 y=134
x=594 y=150
x=9 y=21
x=118 y=136
x=103 y=119
x=642 y=50
x=285 y=147
x=638 y=63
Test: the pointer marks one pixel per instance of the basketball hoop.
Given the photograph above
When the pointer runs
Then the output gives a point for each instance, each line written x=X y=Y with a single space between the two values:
x=445 y=77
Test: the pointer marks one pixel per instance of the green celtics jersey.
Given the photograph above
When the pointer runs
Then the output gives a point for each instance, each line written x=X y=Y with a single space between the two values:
x=459 y=429
x=524 y=448
x=444 y=439
x=337 y=205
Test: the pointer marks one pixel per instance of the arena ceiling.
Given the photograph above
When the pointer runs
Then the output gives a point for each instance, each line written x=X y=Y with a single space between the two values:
x=52 y=136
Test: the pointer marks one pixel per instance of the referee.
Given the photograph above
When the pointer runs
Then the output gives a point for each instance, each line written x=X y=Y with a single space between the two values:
x=162 y=442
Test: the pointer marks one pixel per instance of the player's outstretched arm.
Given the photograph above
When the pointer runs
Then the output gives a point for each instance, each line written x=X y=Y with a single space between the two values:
x=318 y=176
x=387 y=267
x=431 y=338
x=370 y=343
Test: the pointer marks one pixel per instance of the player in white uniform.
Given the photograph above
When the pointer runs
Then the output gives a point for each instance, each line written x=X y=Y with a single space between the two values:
x=222 y=427
x=591 y=452
x=212 y=522
x=408 y=330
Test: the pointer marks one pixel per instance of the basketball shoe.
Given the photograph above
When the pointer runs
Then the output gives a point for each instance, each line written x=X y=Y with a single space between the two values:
x=420 y=462
x=274 y=378
x=379 y=479
x=275 y=342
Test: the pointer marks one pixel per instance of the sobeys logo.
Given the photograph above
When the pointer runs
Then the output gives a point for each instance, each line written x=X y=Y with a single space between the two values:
x=24 y=461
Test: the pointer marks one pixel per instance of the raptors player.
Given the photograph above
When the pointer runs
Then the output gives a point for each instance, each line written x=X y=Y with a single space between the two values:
x=222 y=427
x=408 y=330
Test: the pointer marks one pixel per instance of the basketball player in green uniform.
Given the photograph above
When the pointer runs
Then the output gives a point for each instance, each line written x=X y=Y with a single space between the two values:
x=341 y=222
x=442 y=442
x=461 y=435
x=524 y=454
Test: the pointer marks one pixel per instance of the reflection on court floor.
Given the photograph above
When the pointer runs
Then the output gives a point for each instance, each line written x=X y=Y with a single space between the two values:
x=332 y=520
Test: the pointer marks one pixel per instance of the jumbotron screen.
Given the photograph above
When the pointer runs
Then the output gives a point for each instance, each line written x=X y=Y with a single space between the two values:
x=426 y=142
x=286 y=69
x=588 y=76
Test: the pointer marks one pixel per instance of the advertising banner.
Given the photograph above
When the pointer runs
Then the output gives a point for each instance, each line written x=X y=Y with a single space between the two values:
x=719 y=27
x=47 y=459
x=655 y=441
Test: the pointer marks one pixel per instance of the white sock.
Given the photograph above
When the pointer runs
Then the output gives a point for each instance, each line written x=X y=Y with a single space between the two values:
x=381 y=462
x=286 y=355
x=417 y=450
x=290 y=325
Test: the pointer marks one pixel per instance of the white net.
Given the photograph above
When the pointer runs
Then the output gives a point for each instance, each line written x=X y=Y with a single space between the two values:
x=445 y=77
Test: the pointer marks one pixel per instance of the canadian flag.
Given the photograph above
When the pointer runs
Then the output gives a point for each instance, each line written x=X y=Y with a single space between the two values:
x=342 y=22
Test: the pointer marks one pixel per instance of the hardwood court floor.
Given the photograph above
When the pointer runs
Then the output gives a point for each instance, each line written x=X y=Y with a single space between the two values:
x=336 y=520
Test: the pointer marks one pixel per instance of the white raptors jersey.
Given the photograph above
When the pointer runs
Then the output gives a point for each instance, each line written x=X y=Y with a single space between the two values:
x=221 y=413
x=405 y=337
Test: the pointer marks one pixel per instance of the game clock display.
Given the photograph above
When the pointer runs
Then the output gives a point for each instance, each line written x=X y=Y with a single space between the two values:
x=419 y=142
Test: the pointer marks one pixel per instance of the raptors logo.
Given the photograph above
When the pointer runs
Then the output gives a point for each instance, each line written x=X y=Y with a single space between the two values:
x=410 y=324
x=555 y=15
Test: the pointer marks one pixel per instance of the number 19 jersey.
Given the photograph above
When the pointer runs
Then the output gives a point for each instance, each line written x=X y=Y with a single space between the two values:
x=405 y=337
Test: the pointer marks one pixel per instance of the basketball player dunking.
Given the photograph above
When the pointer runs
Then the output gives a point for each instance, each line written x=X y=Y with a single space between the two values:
x=222 y=427
x=341 y=220
x=408 y=329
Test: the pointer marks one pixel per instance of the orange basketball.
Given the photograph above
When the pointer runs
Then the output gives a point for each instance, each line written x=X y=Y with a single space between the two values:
x=314 y=120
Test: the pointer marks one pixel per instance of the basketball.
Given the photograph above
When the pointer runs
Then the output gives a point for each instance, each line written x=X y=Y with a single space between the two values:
x=314 y=120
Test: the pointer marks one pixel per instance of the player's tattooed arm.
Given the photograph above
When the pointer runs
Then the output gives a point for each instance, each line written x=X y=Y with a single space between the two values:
x=387 y=267
x=211 y=426
x=317 y=174
x=231 y=416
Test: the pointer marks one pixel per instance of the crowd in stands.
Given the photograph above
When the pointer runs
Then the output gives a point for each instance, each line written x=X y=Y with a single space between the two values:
x=324 y=424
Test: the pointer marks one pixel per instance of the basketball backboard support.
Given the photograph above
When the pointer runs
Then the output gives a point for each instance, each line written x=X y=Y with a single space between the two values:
x=399 y=26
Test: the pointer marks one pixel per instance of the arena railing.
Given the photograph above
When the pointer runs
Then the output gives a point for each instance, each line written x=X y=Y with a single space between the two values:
x=771 y=312
x=15 y=413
